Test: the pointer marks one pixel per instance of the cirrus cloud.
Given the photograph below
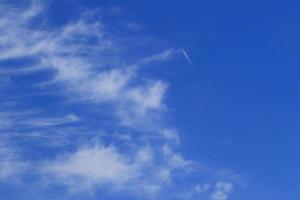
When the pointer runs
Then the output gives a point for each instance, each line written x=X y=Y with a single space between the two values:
x=86 y=68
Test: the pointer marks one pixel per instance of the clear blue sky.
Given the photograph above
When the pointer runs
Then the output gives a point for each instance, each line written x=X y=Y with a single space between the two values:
x=149 y=100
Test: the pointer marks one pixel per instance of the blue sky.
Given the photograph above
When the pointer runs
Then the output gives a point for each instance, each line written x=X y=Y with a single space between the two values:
x=181 y=100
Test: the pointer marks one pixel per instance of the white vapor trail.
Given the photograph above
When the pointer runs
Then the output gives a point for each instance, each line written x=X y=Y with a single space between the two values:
x=187 y=58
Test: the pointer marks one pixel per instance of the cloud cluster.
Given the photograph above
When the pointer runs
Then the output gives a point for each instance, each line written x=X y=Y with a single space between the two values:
x=139 y=172
x=86 y=66
x=82 y=58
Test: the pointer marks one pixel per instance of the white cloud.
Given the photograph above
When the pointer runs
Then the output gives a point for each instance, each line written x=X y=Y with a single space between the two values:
x=50 y=121
x=94 y=167
x=85 y=68
x=88 y=69
x=162 y=56
x=222 y=191
x=202 y=188
x=149 y=97
x=11 y=118
x=171 y=135
x=11 y=165
x=30 y=118
x=97 y=165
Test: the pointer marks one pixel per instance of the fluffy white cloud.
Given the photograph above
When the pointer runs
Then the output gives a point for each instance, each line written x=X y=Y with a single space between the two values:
x=97 y=165
x=89 y=168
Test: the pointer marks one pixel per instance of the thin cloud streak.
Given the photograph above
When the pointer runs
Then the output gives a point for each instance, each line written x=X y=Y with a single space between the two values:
x=186 y=56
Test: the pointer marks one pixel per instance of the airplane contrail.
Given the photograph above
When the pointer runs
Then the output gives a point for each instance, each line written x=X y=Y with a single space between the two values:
x=187 y=58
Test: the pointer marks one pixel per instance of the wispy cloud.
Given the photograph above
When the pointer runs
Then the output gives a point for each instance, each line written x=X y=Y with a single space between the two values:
x=162 y=56
x=87 y=68
x=42 y=122
x=77 y=64
x=222 y=191
x=11 y=164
